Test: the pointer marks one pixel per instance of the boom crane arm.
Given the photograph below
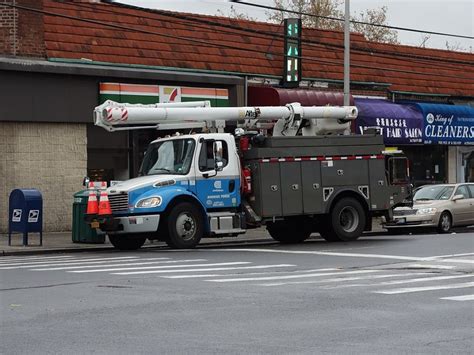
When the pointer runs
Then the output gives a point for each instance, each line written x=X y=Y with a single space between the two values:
x=290 y=119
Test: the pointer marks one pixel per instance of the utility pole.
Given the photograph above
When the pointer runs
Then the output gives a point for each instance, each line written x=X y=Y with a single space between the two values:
x=347 y=48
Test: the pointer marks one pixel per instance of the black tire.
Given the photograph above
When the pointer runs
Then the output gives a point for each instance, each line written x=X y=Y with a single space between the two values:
x=445 y=223
x=347 y=221
x=185 y=226
x=326 y=231
x=127 y=241
x=287 y=232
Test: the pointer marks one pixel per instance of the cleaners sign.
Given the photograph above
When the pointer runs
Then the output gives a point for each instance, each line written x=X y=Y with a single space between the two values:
x=450 y=125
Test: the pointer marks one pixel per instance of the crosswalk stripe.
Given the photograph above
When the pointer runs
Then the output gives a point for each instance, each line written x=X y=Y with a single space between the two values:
x=204 y=269
x=36 y=258
x=64 y=262
x=427 y=288
x=283 y=277
x=459 y=298
x=461 y=261
x=142 y=262
x=404 y=281
x=247 y=274
x=161 y=267
x=343 y=279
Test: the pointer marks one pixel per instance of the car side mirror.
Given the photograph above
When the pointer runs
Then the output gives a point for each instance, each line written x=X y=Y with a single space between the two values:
x=457 y=197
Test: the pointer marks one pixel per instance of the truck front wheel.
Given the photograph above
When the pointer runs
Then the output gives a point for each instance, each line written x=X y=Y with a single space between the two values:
x=347 y=221
x=185 y=226
x=127 y=241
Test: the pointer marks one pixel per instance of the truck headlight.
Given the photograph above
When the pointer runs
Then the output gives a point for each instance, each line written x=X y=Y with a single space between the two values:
x=149 y=202
x=427 y=210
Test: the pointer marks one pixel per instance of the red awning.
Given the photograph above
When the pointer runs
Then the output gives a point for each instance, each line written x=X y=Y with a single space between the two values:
x=268 y=96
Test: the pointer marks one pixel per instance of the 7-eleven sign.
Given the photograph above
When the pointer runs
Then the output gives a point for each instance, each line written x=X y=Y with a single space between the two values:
x=170 y=94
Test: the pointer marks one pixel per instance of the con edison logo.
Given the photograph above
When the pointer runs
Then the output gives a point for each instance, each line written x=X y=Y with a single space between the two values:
x=430 y=118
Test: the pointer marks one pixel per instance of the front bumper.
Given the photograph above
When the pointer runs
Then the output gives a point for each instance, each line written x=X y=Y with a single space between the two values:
x=412 y=221
x=131 y=224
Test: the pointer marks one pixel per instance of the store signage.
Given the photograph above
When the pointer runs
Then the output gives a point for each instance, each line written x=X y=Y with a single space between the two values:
x=448 y=129
x=394 y=130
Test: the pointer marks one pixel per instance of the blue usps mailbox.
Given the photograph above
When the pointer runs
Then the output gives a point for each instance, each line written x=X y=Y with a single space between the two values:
x=25 y=213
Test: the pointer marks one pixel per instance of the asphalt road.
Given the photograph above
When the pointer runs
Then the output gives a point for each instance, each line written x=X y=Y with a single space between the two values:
x=383 y=294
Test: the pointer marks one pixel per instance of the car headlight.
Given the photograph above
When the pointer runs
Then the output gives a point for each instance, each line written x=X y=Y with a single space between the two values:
x=427 y=210
x=149 y=202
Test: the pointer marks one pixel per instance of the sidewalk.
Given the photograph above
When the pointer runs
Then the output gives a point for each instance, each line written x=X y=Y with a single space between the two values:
x=61 y=242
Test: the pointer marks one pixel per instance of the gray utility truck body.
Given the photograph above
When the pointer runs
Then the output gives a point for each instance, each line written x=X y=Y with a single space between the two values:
x=294 y=176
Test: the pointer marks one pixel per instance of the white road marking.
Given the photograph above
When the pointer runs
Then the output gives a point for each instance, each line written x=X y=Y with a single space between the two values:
x=66 y=262
x=461 y=261
x=343 y=279
x=459 y=298
x=247 y=274
x=449 y=255
x=406 y=281
x=205 y=269
x=142 y=262
x=161 y=267
x=284 y=277
x=427 y=288
x=354 y=255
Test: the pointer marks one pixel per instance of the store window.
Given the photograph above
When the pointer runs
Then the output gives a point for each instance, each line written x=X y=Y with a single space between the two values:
x=428 y=164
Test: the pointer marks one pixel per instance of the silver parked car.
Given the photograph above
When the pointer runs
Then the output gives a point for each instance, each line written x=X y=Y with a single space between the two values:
x=439 y=206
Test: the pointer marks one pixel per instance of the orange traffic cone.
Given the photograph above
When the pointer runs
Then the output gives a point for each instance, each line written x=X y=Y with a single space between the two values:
x=104 y=205
x=92 y=203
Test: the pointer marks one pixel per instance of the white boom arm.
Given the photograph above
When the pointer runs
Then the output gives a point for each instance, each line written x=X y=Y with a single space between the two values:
x=115 y=116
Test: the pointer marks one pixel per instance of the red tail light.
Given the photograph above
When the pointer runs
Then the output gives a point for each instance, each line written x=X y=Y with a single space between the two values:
x=247 y=181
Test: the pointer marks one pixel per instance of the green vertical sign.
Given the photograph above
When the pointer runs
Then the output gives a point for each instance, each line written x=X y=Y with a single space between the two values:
x=292 y=53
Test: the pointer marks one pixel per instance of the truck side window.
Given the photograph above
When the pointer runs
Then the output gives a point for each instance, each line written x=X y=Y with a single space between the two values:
x=206 y=156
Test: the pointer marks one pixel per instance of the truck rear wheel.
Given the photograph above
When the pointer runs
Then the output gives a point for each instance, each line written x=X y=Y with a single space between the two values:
x=287 y=232
x=127 y=241
x=346 y=221
x=185 y=226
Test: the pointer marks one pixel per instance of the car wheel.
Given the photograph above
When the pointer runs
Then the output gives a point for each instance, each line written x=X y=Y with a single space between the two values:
x=445 y=223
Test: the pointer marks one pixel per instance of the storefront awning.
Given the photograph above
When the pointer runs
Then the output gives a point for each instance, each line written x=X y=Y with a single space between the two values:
x=400 y=124
x=268 y=96
x=447 y=124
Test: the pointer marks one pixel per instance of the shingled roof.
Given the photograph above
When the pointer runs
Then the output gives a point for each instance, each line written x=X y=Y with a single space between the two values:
x=113 y=33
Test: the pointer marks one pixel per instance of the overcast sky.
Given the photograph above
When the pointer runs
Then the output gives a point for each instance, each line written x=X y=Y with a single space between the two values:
x=448 y=16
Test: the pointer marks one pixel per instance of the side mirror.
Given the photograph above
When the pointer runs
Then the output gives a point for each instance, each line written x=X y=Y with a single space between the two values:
x=457 y=197
x=85 y=181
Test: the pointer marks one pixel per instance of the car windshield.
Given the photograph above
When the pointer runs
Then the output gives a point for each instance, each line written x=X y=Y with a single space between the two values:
x=433 y=193
x=168 y=157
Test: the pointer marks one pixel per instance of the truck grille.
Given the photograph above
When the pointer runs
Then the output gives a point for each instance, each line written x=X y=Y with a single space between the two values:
x=119 y=202
x=404 y=212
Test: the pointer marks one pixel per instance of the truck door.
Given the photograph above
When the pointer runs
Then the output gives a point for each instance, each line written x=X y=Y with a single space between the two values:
x=217 y=188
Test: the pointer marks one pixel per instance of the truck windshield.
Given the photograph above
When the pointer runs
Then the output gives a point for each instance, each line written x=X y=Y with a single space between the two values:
x=168 y=157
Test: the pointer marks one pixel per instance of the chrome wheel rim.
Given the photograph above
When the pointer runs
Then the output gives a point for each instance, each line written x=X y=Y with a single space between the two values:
x=349 y=219
x=185 y=226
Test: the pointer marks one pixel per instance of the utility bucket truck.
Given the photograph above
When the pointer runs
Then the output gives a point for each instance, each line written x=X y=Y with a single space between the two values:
x=310 y=175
